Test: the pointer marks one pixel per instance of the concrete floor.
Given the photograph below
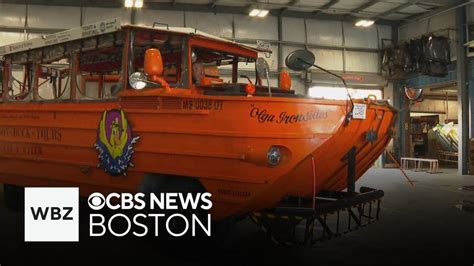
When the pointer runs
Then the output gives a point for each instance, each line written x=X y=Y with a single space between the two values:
x=419 y=225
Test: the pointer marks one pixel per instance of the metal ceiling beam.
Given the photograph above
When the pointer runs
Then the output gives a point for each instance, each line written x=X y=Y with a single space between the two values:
x=435 y=3
x=429 y=5
x=364 y=6
x=326 y=6
x=155 y=3
x=403 y=13
x=396 y=9
x=219 y=7
x=324 y=16
x=290 y=4
x=415 y=18
x=214 y=3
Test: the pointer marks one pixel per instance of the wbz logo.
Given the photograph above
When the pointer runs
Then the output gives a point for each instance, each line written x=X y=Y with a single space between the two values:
x=55 y=213
x=51 y=214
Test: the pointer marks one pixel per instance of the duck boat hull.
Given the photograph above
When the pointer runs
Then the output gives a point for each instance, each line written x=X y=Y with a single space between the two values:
x=222 y=141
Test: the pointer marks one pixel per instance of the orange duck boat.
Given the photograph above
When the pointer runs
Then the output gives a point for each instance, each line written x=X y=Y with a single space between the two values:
x=126 y=108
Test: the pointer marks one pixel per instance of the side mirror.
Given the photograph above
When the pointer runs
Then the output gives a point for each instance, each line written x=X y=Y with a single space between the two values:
x=300 y=60
x=139 y=81
x=413 y=94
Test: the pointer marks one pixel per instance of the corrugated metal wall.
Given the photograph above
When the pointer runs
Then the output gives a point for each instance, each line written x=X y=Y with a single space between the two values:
x=442 y=25
x=337 y=45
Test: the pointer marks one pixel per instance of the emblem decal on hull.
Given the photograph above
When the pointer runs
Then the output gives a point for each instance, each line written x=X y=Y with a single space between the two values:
x=115 y=143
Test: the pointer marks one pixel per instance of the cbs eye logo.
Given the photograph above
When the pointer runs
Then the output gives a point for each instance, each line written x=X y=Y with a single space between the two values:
x=96 y=201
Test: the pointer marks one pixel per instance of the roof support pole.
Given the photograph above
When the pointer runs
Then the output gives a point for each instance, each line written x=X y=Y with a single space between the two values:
x=73 y=77
x=401 y=142
x=280 y=46
x=463 y=93
x=7 y=78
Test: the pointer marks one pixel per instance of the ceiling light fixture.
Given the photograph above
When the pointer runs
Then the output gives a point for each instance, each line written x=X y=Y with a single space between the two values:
x=128 y=3
x=255 y=12
x=133 y=3
x=263 y=13
x=364 y=23
x=138 y=4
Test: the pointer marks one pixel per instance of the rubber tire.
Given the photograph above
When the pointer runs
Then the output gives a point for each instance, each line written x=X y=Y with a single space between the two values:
x=14 y=197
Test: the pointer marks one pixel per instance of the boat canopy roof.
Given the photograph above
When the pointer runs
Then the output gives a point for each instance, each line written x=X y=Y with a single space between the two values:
x=107 y=27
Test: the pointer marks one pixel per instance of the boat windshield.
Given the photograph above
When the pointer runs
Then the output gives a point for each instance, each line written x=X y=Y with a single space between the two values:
x=208 y=62
x=170 y=45
x=211 y=66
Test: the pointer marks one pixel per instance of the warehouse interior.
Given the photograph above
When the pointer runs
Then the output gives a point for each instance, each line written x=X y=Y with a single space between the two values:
x=416 y=55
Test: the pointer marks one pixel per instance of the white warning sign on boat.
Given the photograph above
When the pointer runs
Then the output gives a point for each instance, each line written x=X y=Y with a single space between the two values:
x=360 y=111
x=263 y=45
x=94 y=29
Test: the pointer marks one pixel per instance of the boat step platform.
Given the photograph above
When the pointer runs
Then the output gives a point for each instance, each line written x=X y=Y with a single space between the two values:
x=302 y=221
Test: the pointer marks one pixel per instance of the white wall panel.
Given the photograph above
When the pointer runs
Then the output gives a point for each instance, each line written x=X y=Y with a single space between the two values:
x=319 y=32
x=413 y=30
x=439 y=25
x=430 y=105
x=452 y=44
x=11 y=37
x=360 y=36
x=470 y=13
x=385 y=32
x=435 y=24
x=324 y=32
x=297 y=85
x=362 y=61
x=216 y=24
x=286 y=49
x=293 y=30
x=329 y=59
x=146 y=17
x=272 y=60
x=273 y=81
x=256 y=28
x=442 y=21
x=388 y=93
x=12 y=15
x=95 y=14
x=58 y=17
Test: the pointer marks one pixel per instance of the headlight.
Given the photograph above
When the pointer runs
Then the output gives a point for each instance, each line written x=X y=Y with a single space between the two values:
x=273 y=156
x=137 y=80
